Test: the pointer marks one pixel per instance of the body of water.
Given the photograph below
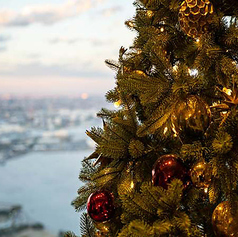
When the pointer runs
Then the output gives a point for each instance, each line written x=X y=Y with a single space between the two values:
x=44 y=184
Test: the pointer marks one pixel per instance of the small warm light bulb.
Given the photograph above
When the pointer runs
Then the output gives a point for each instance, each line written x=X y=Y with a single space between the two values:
x=165 y=130
x=205 y=190
x=193 y=72
x=117 y=104
x=224 y=112
x=227 y=91
x=105 y=229
x=132 y=184
x=149 y=13
x=130 y=23
x=126 y=69
x=139 y=72
x=162 y=29
x=197 y=40
x=174 y=130
x=175 y=68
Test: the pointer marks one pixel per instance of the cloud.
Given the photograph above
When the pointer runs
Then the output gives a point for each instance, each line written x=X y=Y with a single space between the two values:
x=100 y=42
x=70 y=41
x=45 y=14
x=3 y=49
x=33 y=55
x=4 y=38
x=37 y=79
x=110 y=11
x=57 y=40
x=38 y=69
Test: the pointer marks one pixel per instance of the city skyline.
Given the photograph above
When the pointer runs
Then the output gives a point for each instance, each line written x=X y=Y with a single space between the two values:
x=58 y=49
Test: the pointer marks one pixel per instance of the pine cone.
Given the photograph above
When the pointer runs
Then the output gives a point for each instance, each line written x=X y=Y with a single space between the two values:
x=195 y=17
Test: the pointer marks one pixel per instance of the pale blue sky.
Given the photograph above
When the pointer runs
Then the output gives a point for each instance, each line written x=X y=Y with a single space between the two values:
x=58 y=47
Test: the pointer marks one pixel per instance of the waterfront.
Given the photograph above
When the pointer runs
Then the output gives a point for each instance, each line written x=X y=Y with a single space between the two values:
x=42 y=144
x=49 y=124
x=44 y=183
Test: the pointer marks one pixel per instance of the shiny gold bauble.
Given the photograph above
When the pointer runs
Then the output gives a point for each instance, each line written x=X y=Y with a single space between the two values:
x=201 y=175
x=195 y=17
x=191 y=118
x=224 y=224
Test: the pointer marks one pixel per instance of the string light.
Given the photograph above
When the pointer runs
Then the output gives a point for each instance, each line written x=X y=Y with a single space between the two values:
x=130 y=24
x=162 y=29
x=165 y=130
x=149 y=13
x=105 y=229
x=139 y=72
x=126 y=69
x=227 y=91
x=174 y=130
x=132 y=184
x=117 y=104
x=192 y=72
x=224 y=112
x=175 y=68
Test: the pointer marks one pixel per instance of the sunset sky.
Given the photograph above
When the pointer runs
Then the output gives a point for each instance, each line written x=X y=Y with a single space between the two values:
x=58 y=47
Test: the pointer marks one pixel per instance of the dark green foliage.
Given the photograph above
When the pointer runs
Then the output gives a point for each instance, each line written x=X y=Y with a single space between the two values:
x=69 y=234
x=162 y=68
x=160 y=211
x=222 y=143
x=86 y=226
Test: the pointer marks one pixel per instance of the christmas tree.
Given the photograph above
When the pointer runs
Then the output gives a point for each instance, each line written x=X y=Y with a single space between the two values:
x=166 y=161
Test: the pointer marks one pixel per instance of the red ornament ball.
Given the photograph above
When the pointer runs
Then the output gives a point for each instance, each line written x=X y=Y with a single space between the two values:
x=100 y=206
x=167 y=168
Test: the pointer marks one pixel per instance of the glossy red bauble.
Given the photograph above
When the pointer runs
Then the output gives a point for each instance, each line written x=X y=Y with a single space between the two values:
x=167 y=168
x=100 y=206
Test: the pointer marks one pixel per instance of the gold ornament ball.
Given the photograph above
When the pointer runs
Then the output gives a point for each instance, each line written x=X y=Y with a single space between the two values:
x=201 y=175
x=195 y=17
x=224 y=224
x=191 y=118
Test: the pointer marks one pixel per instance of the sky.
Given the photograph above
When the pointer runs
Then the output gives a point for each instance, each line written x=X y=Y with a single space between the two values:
x=58 y=47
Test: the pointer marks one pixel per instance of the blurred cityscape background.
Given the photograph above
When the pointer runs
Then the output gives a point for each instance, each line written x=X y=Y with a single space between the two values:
x=45 y=124
x=52 y=84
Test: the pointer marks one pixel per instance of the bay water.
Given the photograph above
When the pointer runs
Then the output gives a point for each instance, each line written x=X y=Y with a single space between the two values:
x=44 y=184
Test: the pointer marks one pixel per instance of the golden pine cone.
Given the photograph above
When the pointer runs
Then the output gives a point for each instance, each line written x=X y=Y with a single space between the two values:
x=195 y=17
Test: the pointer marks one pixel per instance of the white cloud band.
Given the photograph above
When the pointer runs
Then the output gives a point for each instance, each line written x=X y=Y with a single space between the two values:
x=45 y=14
